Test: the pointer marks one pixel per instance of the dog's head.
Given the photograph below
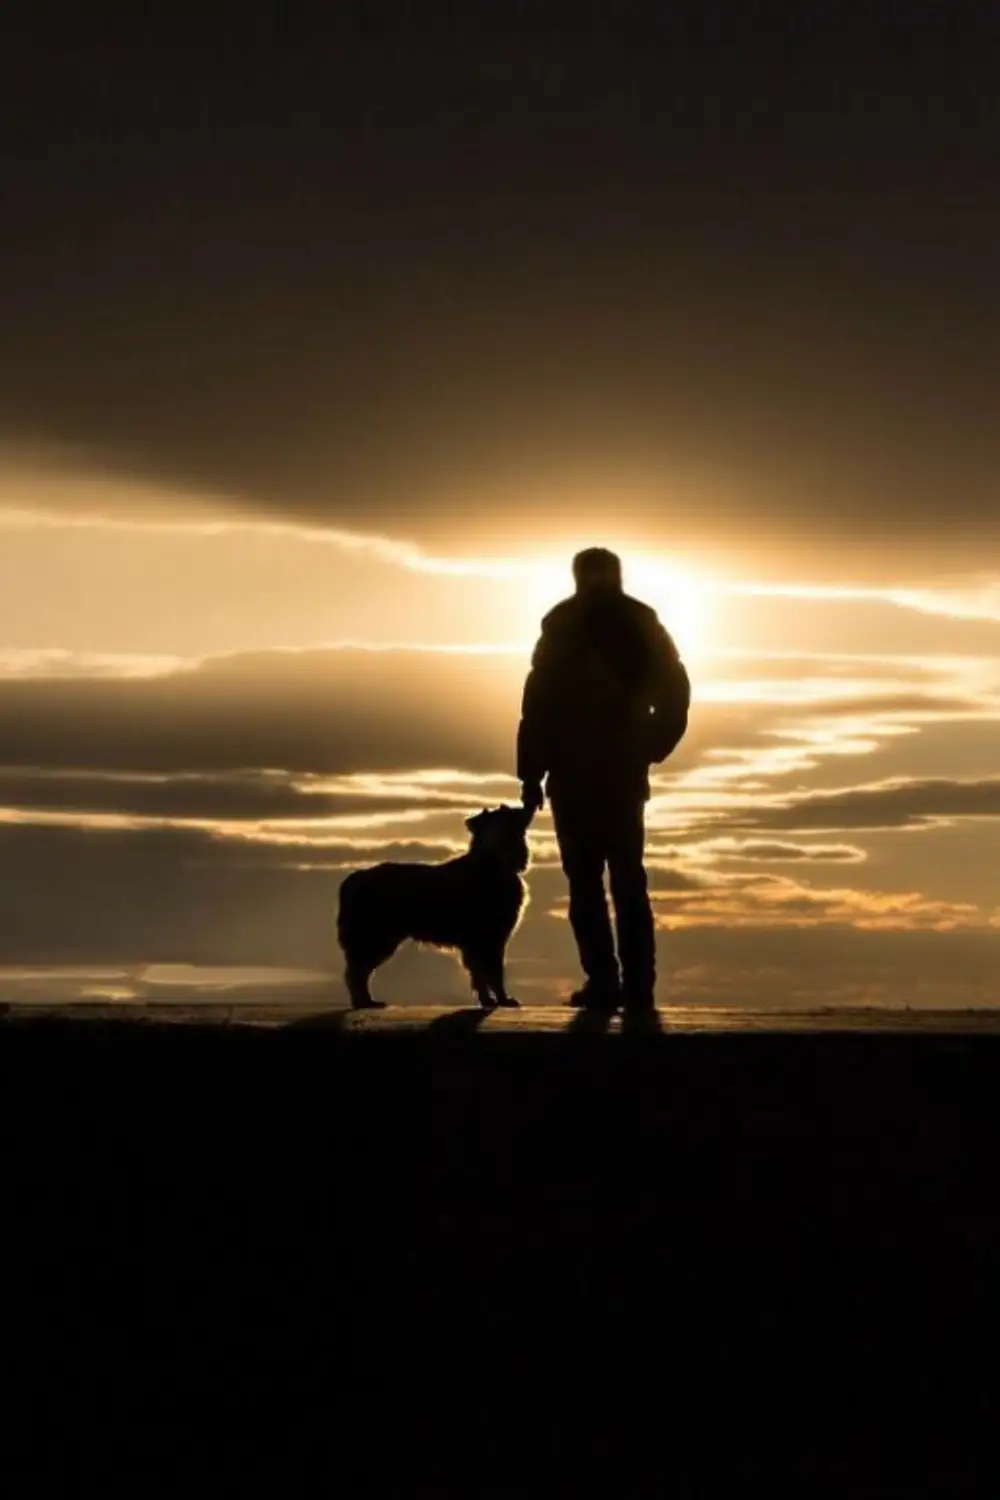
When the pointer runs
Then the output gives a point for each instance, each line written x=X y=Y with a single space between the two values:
x=500 y=832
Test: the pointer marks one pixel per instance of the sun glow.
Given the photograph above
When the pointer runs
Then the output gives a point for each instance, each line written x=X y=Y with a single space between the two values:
x=680 y=595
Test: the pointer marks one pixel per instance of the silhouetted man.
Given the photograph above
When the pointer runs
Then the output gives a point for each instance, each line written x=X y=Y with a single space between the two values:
x=607 y=696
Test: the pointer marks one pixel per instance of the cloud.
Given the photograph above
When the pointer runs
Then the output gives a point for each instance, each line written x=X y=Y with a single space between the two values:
x=52 y=662
x=895 y=804
x=347 y=710
x=119 y=901
x=875 y=622
x=830 y=966
x=250 y=796
x=206 y=814
x=855 y=702
x=777 y=900
x=333 y=711
x=979 y=599
x=328 y=757
x=774 y=851
x=175 y=895
x=110 y=503
x=122 y=525
x=552 y=344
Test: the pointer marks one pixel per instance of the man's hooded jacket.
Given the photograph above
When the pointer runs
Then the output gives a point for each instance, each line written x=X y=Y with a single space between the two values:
x=606 y=697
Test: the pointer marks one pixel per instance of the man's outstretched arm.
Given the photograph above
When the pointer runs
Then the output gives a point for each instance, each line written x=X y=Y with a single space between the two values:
x=532 y=749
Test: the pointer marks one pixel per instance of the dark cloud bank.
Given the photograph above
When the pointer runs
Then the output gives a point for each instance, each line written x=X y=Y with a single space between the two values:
x=367 y=279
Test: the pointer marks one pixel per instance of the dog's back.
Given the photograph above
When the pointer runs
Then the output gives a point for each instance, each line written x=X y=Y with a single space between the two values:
x=378 y=898
x=441 y=904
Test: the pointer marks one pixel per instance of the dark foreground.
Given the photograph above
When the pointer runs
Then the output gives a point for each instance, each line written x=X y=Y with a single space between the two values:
x=450 y=1260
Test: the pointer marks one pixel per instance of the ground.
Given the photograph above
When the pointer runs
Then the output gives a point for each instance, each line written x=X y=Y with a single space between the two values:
x=480 y=1258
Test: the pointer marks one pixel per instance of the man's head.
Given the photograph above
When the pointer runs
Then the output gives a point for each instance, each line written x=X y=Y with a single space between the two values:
x=597 y=571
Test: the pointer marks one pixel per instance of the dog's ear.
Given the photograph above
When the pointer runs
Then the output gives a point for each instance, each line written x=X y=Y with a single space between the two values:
x=473 y=822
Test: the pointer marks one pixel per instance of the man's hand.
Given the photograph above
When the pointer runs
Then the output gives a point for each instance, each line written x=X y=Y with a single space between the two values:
x=664 y=737
x=532 y=797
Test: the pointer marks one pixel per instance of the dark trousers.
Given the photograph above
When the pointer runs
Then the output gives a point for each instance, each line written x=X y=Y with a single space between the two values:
x=595 y=832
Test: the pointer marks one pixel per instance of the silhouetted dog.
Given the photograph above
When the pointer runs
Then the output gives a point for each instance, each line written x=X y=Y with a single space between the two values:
x=472 y=903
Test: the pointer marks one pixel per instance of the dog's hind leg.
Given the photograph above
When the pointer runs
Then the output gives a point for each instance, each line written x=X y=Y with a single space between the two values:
x=362 y=961
x=356 y=977
x=366 y=940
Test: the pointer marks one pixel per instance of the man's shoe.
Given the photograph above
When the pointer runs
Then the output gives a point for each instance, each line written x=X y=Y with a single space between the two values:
x=604 y=998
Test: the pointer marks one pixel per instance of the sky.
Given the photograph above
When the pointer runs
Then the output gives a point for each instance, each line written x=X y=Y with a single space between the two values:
x=323 y=353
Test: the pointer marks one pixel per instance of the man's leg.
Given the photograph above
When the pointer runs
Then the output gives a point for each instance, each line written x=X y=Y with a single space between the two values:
x=633 y=914
x=581 y=847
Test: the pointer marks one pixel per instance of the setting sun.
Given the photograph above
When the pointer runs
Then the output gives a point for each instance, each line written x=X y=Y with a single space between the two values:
x=680 y=595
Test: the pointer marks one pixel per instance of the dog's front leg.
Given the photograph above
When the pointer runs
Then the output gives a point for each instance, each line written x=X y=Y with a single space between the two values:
x=496 y=980
x=479 y=975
